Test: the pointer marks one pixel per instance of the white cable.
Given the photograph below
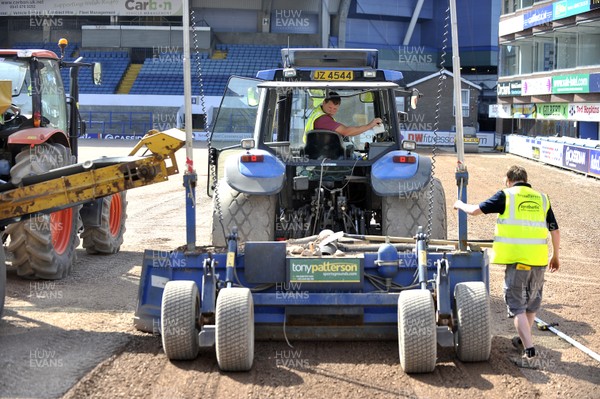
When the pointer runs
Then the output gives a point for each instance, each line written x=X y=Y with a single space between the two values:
x=285 y=335
x=570 y=340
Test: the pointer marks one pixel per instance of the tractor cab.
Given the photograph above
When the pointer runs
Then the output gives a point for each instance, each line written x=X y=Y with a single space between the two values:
x=37 y=90
x=275 y=108
x=314 y=178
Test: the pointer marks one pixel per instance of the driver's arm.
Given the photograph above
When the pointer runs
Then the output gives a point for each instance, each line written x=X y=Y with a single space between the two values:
x=356 y=130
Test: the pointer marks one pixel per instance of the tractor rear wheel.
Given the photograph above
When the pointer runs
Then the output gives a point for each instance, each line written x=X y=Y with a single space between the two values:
x=402 y=215
x=179 y=313
x=108 y=237
x=417 y=338
x=43 y=246
x=234 y=329
x=473 y=336
x=254 y=215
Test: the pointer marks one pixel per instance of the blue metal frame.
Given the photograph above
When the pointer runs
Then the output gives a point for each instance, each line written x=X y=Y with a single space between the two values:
x=271 y=305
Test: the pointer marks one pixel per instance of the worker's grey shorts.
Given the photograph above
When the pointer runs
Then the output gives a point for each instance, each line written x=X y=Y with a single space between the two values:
x=523 y=286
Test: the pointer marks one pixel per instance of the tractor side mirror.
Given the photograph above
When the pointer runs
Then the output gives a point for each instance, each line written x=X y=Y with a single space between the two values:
x=97 y=73
x=414 y=98
x=366 y=97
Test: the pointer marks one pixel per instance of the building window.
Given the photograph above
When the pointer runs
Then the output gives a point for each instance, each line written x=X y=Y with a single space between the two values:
x=465 y=100
x=509 y=59
x=526 y=3
x=589 y=48
x=566 y=50
x=509 y=6
x=543 y=53
x=575 y=46
x=526 y=56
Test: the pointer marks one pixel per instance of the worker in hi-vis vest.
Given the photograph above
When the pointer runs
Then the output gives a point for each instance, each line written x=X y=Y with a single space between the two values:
x=322 y=118
x=524 y=219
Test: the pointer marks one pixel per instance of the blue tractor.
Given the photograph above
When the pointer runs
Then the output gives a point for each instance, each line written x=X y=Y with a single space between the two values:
x=317 y=236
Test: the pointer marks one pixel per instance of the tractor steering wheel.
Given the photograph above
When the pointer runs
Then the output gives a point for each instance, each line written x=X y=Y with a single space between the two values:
x=12 y=113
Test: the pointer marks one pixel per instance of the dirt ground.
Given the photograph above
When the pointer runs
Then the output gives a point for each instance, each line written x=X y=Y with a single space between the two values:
x=75 y=338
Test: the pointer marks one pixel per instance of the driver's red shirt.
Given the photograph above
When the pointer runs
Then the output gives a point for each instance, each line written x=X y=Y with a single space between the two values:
x=326 y=122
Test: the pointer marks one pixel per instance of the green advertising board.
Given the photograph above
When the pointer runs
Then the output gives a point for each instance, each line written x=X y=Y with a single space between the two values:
x=577 y=83
x=324 y=270
x=556 y=111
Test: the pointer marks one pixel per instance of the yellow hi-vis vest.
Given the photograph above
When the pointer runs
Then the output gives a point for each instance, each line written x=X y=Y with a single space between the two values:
x=310 y=123
x=521 y=230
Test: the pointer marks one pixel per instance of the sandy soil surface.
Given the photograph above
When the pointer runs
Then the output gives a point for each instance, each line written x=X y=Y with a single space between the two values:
x=75 y=338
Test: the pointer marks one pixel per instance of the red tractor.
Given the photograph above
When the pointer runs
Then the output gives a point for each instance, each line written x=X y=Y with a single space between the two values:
x=39 y=132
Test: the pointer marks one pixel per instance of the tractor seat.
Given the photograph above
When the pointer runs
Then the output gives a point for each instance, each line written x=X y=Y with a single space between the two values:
x=322 y=144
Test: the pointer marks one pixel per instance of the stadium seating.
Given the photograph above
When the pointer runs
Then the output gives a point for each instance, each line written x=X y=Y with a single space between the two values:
x=163 y=73
x=114 y=65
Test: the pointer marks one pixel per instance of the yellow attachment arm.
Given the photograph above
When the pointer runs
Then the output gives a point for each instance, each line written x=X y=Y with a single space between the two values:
x=65 y=191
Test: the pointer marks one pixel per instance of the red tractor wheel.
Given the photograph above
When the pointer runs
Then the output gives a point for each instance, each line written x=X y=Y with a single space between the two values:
x=43 y=246
x=108 y=236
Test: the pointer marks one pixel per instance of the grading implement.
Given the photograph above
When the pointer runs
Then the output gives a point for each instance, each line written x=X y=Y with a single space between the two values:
x=316 y=237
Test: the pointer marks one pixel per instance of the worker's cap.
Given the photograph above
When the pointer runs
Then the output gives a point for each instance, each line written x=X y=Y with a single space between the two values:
x=333 y=97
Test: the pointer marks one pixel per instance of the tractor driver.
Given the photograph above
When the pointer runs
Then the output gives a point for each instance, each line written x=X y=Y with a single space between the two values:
x=322 y=118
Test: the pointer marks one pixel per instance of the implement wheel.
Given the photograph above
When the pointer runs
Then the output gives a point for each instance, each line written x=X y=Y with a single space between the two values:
x=108 y=237
x=43 y=246
x=179 y=314
x=235 y=329
x=473 y=336
x=417 y=338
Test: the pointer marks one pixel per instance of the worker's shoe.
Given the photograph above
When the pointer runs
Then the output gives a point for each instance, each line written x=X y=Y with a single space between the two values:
x=529 y=360
x=526 y=362
x=517 y=343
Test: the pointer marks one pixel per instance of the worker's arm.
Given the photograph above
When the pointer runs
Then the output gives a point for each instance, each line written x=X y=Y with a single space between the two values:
x=356 y=130
x=470 y=209
x=554 y=264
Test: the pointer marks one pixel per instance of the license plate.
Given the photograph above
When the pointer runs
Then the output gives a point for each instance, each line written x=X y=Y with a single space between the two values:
x=471 y=140
x=333 y=75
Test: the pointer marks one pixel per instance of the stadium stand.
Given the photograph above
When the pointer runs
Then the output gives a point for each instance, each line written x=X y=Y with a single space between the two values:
x=114 y=64
x=163 y=73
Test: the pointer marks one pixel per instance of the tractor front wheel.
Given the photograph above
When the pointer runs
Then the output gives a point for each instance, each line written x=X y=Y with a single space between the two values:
x=43 y=246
